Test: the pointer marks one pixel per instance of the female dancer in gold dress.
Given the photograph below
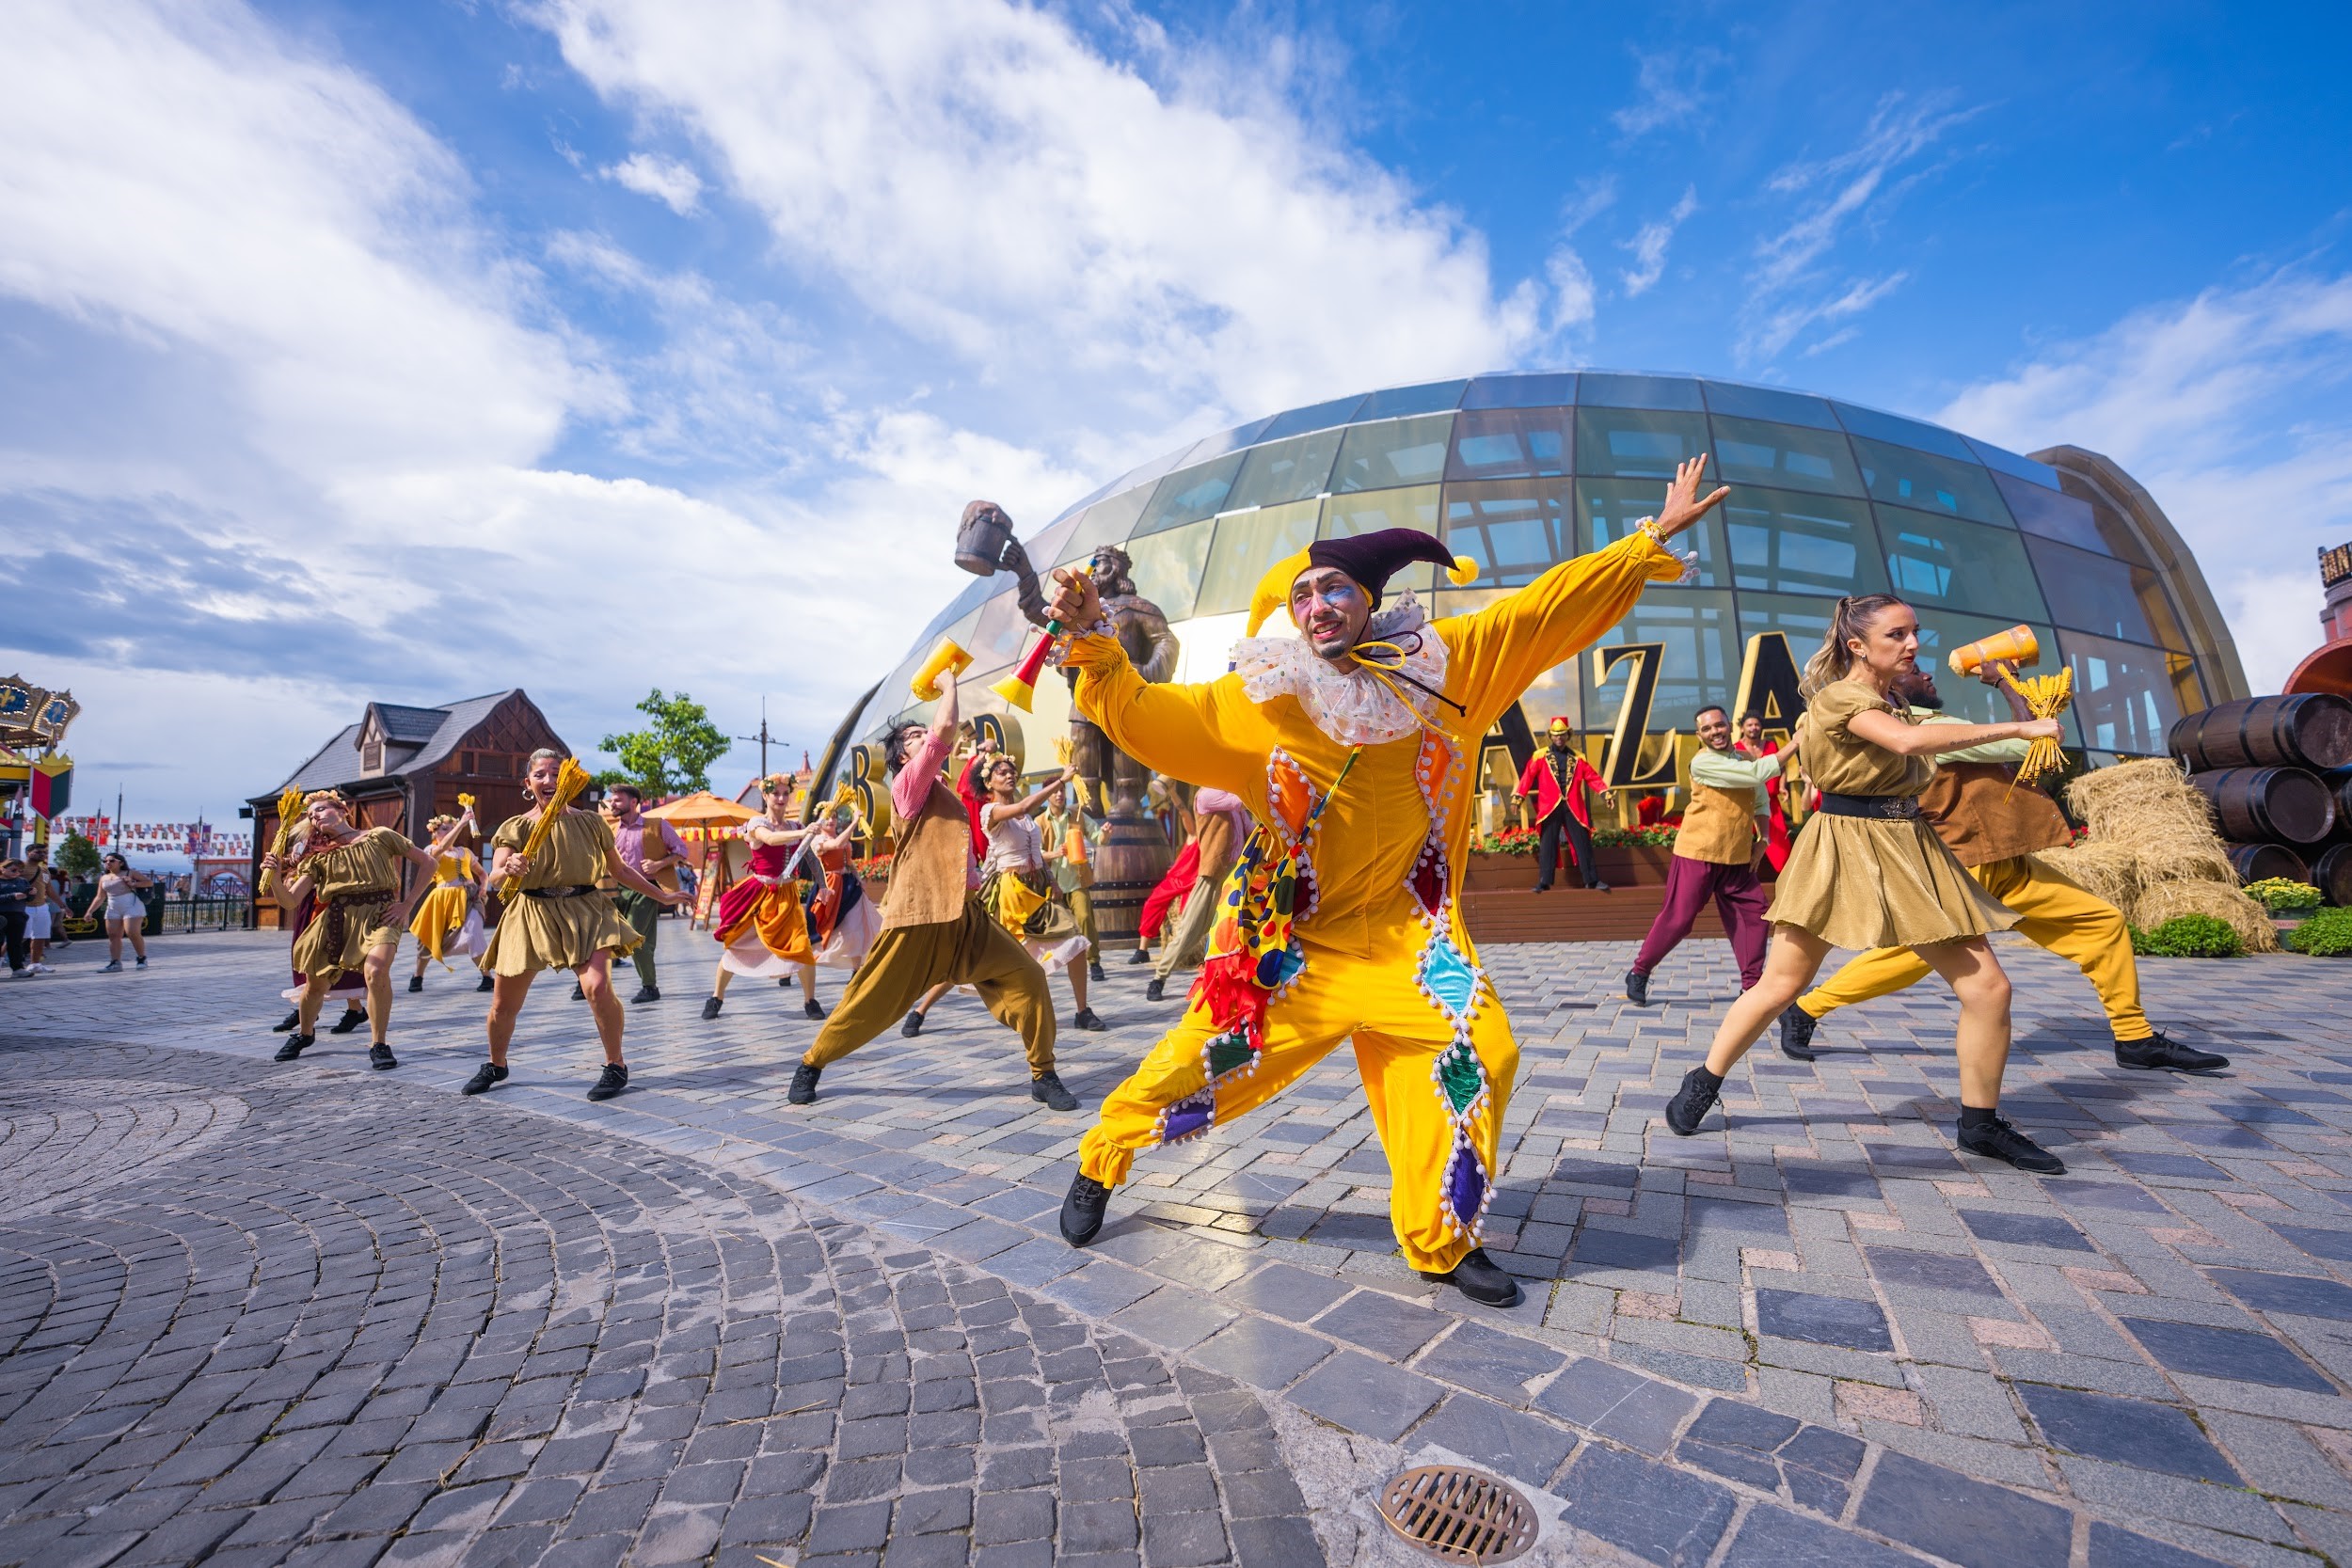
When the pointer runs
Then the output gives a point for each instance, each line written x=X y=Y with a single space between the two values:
x=449 y=916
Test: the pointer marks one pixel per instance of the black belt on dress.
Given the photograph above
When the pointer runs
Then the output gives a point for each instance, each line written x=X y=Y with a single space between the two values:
x=1895 y=807
x=559 y=892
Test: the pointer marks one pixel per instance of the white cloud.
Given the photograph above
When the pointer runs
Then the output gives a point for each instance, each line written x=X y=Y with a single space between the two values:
x=2233 y=409
x=667 y=181
x=1791 y=289
x=1673 y=90
x=1649 y=243
x=985 y=181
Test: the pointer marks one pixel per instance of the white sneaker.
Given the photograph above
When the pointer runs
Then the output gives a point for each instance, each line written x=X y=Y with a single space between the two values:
x=40 y=969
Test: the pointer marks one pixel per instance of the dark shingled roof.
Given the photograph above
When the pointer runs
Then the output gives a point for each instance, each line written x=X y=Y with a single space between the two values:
x=409 y=726
x=420 y=738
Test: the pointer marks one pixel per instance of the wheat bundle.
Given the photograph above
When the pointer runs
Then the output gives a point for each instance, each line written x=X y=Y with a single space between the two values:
x=2149 y=806
x=2163 y=901
x=2111 y=871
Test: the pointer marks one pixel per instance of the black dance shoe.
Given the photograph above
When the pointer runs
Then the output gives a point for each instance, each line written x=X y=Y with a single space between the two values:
x=913 y=1025
x=1094 y=970
x=711 y=1005
x=2157 y=1052
x=1995 y=1139
x=381 y=1058
x=1046 y=1087
x=1082 y=1210
x=296 y=1045
x=612 y=1081
x=1688 y=1107
x=416 y=982
x=489 y=1076
x=1637 y=987
x=646 y=993
x=1083 y=1019
x=803 y=1089
x=1142 y=955
x=352 y=1019
x=487 y=984
x=1796 y=1032
x=1156 y=991
x=1477 y=1277
x=579 y=992
x=286 y=1025
x=811 y=1008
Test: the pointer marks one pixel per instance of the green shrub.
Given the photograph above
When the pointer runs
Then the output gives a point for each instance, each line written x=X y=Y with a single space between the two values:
x=2189 y=935
x=2325 y=935
x=2279 y=895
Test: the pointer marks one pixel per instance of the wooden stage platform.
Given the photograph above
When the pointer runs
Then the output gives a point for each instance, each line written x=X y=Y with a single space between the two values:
x=1499 y=902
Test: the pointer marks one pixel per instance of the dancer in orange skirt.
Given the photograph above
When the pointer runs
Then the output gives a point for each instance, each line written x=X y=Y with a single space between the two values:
x=762 y=929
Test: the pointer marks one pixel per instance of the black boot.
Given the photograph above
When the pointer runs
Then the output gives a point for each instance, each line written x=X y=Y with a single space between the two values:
x=296 y=1045
x=489 y=1076
x=352 y=1019
x=1637 y=987
x=578 y=993
x=1688 y=1107
x=487 y=984
x=1477 y=1277
x=2157 y=1052
x=1796 y=1032
x=912 y=1027
x=1987 y=1133
x=381 y=1058
x=612 y=1081
x=286 y=1025
x=416 y=982
x=1142 y=955
x=803 y=1089
x=711 y=1005
x=1046 y=1087
x=1094 y=969
x=811 y=1010
x=1083 y=1019
x=784 y=984
x=1156 y=991
x=1082 y=1210
x=646 y=993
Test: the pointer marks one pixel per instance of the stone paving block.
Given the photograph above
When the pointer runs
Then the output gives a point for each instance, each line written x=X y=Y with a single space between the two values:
x=1624 y=1406
x=1263 y=1355
x=1949 y=1515
x=2126 y=1432
x=1365 y=1394
x=1488 y=1434
x=1822 y=1320
x=1658 y=1513
x=1774 y=1538
x=2225 y=1353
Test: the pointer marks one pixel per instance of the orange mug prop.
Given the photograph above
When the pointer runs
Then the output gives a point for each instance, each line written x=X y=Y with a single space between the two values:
x=945 y=659
x=2016 y=647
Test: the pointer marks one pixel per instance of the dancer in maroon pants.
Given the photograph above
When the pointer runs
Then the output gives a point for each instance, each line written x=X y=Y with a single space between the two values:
x=1713 y=857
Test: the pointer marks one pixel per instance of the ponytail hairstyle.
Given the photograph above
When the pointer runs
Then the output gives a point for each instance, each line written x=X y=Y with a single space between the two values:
x=1833 y=662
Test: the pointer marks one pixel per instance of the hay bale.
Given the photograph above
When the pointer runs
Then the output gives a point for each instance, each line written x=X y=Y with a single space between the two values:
x=2161 y=901
x=2111 y=871
x=2150 y=808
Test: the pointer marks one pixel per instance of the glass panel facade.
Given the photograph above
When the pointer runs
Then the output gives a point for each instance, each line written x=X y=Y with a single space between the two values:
x=1431 y=397
x=1513 y=529
x=2126 y=696
x=1321 y=416
x=1607 y=511
x=1190 y=494
x=2099 y=593
x=1942 y=561
x=1702 y=660
x=1106 y=522
x=1877 y=426
x=1369 y=511
x=1609 y=389
x=2050 y=514
x=1785 y=543
x=1246 y=543
x=1769 y=402
x=1392 y=452
x=2005 y=463
x=2118 y=537
x=1521 y=391
x=1167 y=566
x=1505 y=443
x=1751 y=452
x=1904 y=478
x=1285 y=471
x=1965 y=696
x=1631 y=443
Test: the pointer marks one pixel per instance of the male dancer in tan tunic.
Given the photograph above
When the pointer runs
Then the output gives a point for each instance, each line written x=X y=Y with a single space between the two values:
x=933 y=930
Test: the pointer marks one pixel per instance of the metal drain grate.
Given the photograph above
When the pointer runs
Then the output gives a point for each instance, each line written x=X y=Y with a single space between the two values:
x=1459 y=1513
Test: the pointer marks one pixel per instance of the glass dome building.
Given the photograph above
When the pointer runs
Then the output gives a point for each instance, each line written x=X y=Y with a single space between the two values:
x=1519 y=471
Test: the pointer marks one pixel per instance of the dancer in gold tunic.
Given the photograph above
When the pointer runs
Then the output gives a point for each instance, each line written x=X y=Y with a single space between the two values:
x=1867 y=872
x=557 y=919
x=1355 y=746
x=357 y=877
x=448 y=917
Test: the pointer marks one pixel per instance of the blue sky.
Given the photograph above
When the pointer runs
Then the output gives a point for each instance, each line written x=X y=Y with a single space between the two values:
x=417 y=350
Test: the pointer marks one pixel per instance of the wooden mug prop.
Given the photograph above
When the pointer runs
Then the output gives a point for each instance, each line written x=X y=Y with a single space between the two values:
x=947 y=659
x=2017 y=646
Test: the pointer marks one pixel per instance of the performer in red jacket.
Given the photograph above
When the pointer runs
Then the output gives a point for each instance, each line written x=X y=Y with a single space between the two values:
x=1562 y=781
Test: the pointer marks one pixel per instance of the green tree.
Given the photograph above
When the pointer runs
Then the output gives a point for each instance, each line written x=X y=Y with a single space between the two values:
x=77 y=856
x=673 y=756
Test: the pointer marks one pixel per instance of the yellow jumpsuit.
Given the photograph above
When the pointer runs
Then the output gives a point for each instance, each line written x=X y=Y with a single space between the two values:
x=1386 y=961
x=441 y=913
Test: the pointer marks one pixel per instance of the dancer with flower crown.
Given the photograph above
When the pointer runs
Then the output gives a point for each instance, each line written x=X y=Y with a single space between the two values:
x=1355 y=746
x=762 y=927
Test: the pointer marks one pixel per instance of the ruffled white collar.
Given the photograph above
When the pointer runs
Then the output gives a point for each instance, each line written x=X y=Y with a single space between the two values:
x=1353 y=707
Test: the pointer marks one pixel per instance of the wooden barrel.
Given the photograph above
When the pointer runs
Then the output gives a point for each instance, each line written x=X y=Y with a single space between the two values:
x=2255 y=862
x=2312 y=730
x=2270 y=805
x=2341 y=782
x=2332 y=873
x=1128 y=864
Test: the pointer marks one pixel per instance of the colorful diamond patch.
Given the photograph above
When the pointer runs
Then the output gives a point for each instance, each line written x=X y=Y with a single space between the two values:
x=1447 y=975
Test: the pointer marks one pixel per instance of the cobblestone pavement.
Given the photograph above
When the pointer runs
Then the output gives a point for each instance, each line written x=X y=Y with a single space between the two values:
x=1813 y=1334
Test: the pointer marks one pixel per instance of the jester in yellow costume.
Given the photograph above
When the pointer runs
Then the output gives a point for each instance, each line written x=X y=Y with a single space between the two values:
x=1354 y=747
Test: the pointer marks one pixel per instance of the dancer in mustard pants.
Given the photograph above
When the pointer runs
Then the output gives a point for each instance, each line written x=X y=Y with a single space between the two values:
x=1354 y=745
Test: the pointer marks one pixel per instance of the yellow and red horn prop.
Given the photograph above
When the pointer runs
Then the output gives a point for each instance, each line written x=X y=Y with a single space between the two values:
x=2017 y=646
x=1021 y=686
x=947 y=659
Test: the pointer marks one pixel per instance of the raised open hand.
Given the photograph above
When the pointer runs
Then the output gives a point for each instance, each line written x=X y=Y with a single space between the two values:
x=1684 y=505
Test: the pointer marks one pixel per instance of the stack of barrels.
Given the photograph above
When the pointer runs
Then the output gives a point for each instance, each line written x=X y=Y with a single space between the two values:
x=2279 y=772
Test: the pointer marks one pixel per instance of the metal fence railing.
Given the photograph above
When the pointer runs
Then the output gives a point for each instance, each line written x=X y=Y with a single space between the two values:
x=204 y=914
